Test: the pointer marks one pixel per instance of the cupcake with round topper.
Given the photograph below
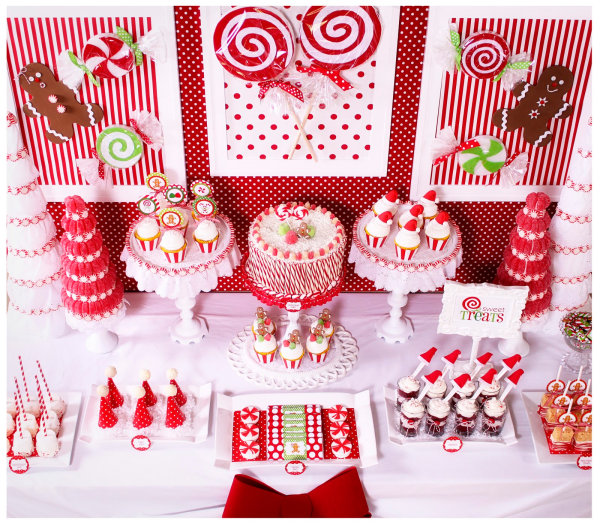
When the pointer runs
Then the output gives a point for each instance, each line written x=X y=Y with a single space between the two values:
x=437 y=232
x=407 y=241
x=262 y=320
x=317 y=345
x=265 y=346
x=378 y=229
x=429 y=201
x=414 y=213
x=147 y=234
x=389 y=202
x=292 y=351
x=325 y=322
x=173 y=245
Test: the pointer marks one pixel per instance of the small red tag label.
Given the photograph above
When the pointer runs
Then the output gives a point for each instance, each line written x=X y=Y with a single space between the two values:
x=452 y=444
x=141 y=442
x=18 y=464
x=295 y=468
x=584 y=462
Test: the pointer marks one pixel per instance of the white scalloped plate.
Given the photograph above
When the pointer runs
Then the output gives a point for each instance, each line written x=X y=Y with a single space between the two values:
x=342 y=356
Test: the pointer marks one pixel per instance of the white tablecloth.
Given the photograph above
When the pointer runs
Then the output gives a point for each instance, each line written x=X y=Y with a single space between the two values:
x=179 y=479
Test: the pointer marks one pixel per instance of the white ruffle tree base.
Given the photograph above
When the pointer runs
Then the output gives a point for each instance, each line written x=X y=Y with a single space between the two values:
x=100 y=337
x=182 y=282
x=425 y=272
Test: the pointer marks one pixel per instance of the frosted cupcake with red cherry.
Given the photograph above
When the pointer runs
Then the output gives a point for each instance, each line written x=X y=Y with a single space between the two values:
x=262 y=321
x=407 y=241
x=147 y=234
x=292 y=351
x=378 y=229
x=438 y=232
x=265 y=346
x=415 y=213
x=173 y=245
x=317 y=345
x=324 y=321
x=429 y=201
x=389 y=202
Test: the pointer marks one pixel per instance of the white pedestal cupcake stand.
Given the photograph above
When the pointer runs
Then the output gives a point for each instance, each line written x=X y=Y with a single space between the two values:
x=182 y=282
x=425 y=272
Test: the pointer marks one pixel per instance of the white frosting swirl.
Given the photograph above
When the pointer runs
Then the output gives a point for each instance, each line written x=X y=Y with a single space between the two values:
x=206 y=231
x=490 y=389
x=291 y=354
x=437 y=407
x=407 y=239
x=436 y=230
x=172 y=240
x=466 y=407
x=409 y=384
x=147 y=228
x=413 y=408
x=377 y=228
x=493 y=407
x=438 y=389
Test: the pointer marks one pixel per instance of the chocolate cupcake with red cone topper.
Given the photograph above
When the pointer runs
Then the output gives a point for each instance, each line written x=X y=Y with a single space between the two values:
x=407 y=241
x=438 y=232
x=262 y=320
x=378 y=229
x=429 y=201
x=292 y=351
x=415 y=213
x=389 y=202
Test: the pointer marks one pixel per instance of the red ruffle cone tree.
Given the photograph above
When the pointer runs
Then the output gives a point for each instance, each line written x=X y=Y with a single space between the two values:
x=91 y=293
x=526 y=260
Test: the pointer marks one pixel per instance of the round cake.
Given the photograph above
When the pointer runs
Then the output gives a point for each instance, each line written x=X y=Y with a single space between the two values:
x=296 y=250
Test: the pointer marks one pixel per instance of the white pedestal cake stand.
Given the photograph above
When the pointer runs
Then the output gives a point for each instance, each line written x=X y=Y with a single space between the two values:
x=425 y=272
x=182 y=282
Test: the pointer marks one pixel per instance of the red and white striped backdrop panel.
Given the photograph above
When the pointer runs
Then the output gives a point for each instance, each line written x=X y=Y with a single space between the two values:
x=42 y=40
x=467 y=104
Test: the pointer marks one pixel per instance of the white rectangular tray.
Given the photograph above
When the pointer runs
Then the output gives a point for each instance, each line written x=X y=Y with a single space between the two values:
x=531 y=400
x=360 y=402
x=66 y=435
x=506 y=437
x=199 y=431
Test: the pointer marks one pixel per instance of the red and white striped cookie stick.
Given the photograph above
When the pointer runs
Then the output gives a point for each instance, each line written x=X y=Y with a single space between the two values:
x=19 y=411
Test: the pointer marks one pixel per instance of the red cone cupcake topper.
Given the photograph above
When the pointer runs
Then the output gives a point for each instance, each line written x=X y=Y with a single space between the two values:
x=150 y=396
x=386 y=217
x=458 y=383
x=411 y=226
x=175 y=416
x=431 y=195
x=511 y=382
x=429 y=379
x=416 y=210
x=425 y=359
x=106 y=416
x=442 y=217
x=508 y=364
x=488 y=377
x=392 y=197
x=180 y=397
x=449 y=360
x=114 y=396
x=481 y=361
x=142 y=417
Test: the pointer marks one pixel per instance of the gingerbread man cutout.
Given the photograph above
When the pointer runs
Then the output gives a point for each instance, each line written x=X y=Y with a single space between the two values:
x=57 y=102
x=537 y=105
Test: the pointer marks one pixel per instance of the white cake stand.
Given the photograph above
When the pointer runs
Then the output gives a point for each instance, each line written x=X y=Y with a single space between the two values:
x=182 y=282
x=425 y=272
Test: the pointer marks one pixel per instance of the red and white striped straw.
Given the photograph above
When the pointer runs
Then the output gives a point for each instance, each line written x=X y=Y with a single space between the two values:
x=43 y=409
x=44 y=380
x=24 y=380
x=19 y=427
x=19 y=396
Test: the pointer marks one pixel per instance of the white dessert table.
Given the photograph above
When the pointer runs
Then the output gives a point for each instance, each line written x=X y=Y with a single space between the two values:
x=425 y=272
x=180 y=480
x=183 y=282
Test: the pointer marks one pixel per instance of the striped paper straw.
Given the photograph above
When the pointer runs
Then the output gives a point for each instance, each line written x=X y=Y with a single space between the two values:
x=24 y=380
x=19 y=396
x=44 y=380
x=42 y=405
x=19 y=427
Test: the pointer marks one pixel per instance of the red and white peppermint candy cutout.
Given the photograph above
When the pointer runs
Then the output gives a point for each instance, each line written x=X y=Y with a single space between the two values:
x=339 y=429
x=249 y=432
x=341 y=448
x=249 y=415
x=107 y=56
x=249 y=450
x=283 y=211
x=300 y=212
x=339 y=38
x=484 y=55
x=338 y=413
x=254 y=43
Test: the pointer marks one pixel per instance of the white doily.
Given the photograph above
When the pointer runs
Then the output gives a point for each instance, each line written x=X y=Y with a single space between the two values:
x=199 y=272
x=342 y=356
x=425 y=272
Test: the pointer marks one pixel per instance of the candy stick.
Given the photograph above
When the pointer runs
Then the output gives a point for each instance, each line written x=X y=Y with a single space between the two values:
x=301 y=129
x=485 y=380
x=508 y=364
x=578 y=375
x=458 y=382
x=42 y=406
x=425 y=359
x=511 y=382
x=430 y=379
x=299 y=136
x=19 y=427
x=482 y=360
x=24 y=380
x=474 y=350
x=558 y=373
x=44 y=380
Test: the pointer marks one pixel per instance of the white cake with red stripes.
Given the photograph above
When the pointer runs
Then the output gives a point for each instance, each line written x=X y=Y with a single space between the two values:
x=296 y=250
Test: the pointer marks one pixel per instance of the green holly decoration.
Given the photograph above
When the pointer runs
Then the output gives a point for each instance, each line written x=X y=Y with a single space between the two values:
x=311 y=231
x=319 y=339
x=283 y=228
x=292 y=345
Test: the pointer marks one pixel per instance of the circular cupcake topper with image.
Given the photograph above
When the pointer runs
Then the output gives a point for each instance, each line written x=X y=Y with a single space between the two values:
x=579 y=385
x=204 y=207
x=555 y=386
x=201 y=188
x=175 y=194
x=171 y=218
x=587 y=418
x=567 y=418
x=147 y=205
x=156 y=181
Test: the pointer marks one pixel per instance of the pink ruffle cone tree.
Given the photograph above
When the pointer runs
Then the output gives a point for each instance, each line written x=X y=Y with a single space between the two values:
x=91 y=293
x=526 y=259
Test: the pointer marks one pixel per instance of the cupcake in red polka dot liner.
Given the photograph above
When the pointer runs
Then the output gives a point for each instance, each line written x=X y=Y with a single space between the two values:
x=317 y=345
x=265 y=346
x=378 y=229
x=438 y=232
x=407 y=241
x=262 y=321
x=324 y=321
x=292 y=351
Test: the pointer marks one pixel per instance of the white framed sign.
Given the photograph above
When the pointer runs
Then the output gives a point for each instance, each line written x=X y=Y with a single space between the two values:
x=349 y=135
x=482 y=310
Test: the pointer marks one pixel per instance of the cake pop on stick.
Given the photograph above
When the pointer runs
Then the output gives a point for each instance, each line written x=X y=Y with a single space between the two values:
x=150 y=396
x=449 y=360
x=585 y=399
x=425 y=359
x=429 y=379
x=22 y=441
x=27 y=421
x=114 y=396
x=142 y=417
x=180 y=396
x=568 y=418
x=480 y=362
x=511 y=382
x=175 y=417
x=484 y=381
x=55 y=402
x=32 y=406
x=457 y=383
x=508 y=364
x=106 y=416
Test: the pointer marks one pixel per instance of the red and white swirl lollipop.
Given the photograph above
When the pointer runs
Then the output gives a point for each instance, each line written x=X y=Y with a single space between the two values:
x=254 y=43
x=107 y=56
x=484 y=55
x=339 y=38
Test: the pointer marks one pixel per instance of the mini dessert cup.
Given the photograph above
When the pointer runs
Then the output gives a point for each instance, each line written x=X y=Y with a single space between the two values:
x=437 y=416
x=408 y=388
x=494 y=416
x=437 y=245
x=411 y=414
x=405 y=253
x=489 y=392
x=437 y=390
x=206 y=236
x=466 y=416
x=148 y=244
x=582 y=439
x=465 y=392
